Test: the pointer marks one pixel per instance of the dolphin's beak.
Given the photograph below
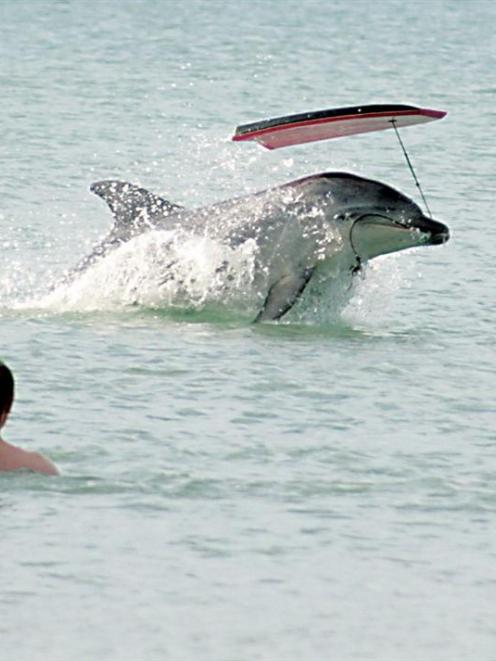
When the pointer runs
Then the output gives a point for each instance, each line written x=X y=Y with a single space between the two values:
x=374 y=235
x=439 y=233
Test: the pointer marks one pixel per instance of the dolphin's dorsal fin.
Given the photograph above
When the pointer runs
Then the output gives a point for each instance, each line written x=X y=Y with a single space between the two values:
x=133 y=207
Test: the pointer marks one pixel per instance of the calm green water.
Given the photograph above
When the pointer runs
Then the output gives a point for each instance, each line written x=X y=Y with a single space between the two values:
x=318 y=490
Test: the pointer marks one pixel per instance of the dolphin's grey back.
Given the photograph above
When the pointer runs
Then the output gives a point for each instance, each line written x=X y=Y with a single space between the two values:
x=136 y=210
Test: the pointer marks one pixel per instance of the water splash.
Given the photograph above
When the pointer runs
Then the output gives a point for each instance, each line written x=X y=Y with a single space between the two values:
x=161 y=269
x=174 y=271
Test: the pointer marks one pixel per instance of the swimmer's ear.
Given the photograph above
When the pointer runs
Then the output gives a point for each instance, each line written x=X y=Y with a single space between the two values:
x=132 y=204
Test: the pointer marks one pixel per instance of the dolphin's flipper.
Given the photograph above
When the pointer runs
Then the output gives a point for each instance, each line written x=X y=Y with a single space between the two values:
x=283 y=295
x=134 y=208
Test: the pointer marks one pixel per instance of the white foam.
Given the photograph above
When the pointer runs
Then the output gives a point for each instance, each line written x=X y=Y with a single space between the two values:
x=160 y=269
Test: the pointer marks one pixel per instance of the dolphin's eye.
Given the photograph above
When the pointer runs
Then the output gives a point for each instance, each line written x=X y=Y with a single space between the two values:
x=340 y=217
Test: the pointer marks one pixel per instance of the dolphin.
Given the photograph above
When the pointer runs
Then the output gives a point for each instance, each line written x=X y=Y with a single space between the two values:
x=311 y=229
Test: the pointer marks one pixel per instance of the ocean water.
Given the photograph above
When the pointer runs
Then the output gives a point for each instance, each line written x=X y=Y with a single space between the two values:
x=318 y=488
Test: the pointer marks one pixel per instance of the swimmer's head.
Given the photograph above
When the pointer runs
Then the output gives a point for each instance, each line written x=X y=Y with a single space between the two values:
x=6 y=392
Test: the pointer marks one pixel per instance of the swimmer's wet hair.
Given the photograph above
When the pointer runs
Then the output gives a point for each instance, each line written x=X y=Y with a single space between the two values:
x=6 y=389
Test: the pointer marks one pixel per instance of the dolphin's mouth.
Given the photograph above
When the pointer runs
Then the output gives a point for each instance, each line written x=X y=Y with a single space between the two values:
x=373 y=235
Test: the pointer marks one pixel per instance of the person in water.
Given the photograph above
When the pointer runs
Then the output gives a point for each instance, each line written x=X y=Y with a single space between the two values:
x=11 y=457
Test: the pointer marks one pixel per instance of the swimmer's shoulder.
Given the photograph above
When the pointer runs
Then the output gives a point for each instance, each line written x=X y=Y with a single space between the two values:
x=14 y=458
